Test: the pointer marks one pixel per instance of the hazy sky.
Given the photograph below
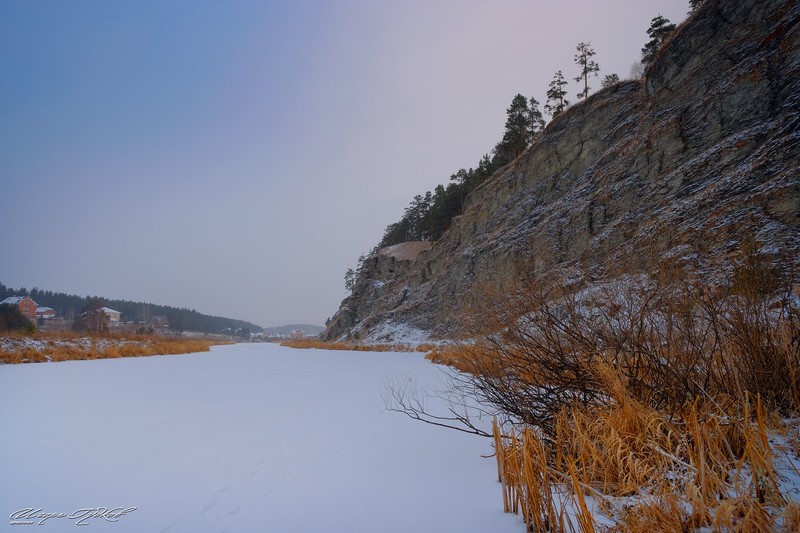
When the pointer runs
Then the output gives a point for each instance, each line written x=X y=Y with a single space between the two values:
x=237 y=157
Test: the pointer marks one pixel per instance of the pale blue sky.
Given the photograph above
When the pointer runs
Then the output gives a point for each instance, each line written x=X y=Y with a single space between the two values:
x=237 y=157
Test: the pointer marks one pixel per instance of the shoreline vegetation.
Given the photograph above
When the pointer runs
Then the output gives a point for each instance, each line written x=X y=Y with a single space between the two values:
x=653 y=403
x=41 y=347
x=317 y=344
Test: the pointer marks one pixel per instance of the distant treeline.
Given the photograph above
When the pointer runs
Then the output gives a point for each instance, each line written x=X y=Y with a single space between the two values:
x=180 y=319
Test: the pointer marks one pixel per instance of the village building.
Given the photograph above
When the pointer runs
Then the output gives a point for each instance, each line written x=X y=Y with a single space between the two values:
x=45 y=313
x=111 y=314
x=25 y=304
x=159 y=321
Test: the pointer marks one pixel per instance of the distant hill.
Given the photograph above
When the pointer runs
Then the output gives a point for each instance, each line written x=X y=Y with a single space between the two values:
x=180 y=319
x=281 y=331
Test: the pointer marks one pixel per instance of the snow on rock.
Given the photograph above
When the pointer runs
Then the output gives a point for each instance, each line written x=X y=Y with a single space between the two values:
x=250 y=437
x=390 y=332
x=406 y=251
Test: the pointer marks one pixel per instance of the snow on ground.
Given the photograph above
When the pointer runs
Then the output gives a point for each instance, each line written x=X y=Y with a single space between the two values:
x=249 y=437
x=398 y=333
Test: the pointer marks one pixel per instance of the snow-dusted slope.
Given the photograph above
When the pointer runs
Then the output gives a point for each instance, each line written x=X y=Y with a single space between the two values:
x=252 y=437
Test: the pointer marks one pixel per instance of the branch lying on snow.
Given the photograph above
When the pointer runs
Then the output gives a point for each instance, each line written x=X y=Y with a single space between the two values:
x=405 y=397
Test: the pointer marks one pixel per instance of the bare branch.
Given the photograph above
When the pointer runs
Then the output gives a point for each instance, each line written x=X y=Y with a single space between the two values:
x=407 y=398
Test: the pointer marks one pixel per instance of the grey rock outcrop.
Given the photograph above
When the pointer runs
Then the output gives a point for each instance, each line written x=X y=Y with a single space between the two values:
x=698 y=156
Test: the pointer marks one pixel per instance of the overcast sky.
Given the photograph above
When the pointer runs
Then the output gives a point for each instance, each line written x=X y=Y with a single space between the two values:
x=237 y=157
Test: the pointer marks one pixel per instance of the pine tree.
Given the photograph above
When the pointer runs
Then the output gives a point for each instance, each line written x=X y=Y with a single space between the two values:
x=588 y=66
x=694 y=4
x=519 y=131
x=556 y=103
x=659 y=29
x=535 y=118
x=609 y=80
x=349 y=279
x=12 y=319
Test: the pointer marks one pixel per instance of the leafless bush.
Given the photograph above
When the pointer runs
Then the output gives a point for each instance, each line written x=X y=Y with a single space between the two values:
x=672 y=337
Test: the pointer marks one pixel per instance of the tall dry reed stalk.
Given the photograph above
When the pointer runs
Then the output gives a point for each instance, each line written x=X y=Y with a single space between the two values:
x=700 y=469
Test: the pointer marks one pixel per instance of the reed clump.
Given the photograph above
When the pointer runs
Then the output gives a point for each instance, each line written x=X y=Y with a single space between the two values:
x=640 y=470
x=652 y=403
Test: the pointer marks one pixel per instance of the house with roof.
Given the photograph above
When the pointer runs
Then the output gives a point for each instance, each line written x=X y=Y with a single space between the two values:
x=25 y=304
x=99 y=319
x=160 y=321
x=45 y=313
x=111 y=314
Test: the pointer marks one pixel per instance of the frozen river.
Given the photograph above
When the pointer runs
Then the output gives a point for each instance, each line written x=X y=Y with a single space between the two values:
x=248 y=437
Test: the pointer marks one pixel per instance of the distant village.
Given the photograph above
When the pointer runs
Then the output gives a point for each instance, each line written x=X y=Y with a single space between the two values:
x=106 y=319
x=99 y=319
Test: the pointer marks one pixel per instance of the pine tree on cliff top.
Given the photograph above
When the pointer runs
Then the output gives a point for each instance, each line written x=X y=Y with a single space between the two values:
x=556 y=103
x=588 y=66
x=659 y=29
x=523 y=123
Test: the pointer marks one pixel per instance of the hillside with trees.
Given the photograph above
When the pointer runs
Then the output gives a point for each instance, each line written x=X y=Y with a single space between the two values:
x=431 y=214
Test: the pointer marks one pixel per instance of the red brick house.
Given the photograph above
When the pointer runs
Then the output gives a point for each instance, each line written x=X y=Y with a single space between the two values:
x=25 y=304
x=45 y=312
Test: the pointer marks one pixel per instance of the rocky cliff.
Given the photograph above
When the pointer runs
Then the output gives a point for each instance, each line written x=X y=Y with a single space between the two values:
x=698 y=156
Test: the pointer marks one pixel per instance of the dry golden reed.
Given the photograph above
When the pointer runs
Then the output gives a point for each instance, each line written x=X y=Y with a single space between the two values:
x=682 y=472
x=352 y=347
x=66 y=346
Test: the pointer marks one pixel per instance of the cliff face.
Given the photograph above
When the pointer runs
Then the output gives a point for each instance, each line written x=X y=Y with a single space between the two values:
x=698 y=156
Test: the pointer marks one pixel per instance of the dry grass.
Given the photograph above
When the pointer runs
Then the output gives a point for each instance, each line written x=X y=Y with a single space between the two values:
x=308 y=344
x=698 y=470
x=67 y=346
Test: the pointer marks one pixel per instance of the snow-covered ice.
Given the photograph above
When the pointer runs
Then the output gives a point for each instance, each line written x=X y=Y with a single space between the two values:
x=250 y=437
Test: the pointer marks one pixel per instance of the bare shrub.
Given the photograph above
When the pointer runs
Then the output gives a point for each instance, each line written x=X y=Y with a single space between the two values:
x=672 y=338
